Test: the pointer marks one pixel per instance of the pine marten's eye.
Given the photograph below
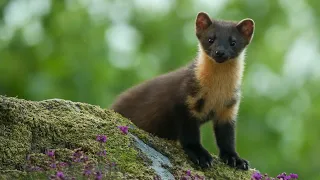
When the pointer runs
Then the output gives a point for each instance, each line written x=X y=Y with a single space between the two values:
x=233 y=43
x=211 y=40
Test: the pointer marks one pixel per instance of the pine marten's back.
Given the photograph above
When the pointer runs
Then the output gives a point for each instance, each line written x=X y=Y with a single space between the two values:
x=153 y=105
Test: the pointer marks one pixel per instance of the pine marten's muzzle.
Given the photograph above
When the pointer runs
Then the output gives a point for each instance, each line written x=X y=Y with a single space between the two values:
x=220 y=55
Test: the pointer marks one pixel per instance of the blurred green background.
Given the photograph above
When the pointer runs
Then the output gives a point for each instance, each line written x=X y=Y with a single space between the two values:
x=91 y=50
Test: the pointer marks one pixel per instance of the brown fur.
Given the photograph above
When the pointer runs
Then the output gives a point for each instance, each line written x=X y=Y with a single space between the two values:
x=174 y=105
x=151 y=104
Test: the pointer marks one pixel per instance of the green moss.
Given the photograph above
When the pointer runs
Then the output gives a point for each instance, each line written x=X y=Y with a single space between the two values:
x=28 y=127
x=32 y=127
x=12 y=174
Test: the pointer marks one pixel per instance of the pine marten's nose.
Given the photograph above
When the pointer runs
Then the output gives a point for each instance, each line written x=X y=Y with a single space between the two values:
x=219 y=53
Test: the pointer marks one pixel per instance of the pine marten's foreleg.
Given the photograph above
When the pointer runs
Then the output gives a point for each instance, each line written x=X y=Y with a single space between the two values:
x=224 y=129
x=190 y=140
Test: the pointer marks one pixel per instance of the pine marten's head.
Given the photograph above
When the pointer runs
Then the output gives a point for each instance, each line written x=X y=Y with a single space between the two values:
x=223 y=40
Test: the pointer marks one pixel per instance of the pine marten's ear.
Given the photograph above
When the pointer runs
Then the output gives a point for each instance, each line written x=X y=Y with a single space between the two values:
x=203 y=21
x=246 y=28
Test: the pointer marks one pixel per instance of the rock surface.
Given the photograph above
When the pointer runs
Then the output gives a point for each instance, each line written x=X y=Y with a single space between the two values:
x=32 y=127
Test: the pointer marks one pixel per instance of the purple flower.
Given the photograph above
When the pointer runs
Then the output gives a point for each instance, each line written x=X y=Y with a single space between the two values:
x=256 y=176
x=63 y=164
x=85 y=158
x=123 y=129
x=283 y=176
x=280 y=176
x=288 y=177
x=77 y=154
x=98 y=175
x=188 y=172
x=86 y=172
x=102 y=153
x=294 y=176
x=101 y=138
x=50 y=153
x=76 y=160
x=60 y=175
x=53 y=165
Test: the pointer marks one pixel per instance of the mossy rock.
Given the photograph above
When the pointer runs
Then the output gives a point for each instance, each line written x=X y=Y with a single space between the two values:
x=29 y=127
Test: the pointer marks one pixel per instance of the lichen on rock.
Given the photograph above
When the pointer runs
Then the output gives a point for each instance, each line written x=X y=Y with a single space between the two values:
x=32 y=127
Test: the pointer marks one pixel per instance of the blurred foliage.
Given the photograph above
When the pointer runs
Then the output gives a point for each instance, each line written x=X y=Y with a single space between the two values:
x=91 y=50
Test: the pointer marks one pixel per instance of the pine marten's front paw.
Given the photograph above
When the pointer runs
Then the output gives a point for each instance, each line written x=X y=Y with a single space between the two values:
x=199 y=156
x=233 y=160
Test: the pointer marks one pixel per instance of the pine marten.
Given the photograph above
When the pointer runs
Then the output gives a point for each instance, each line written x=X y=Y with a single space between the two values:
x=174 y=105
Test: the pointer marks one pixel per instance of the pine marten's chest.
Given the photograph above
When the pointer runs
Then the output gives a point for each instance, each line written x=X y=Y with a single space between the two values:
x=219 y=88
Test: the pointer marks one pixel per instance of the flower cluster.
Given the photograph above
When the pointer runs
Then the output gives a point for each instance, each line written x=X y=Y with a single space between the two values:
x=188 y=175
x=282 y=176
x=79 y=156
x=60 y=175
x=98 y=175
x=101 y=138
x=50 y=153
x=102 y=153
x=123 y=129
x=77 y=164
